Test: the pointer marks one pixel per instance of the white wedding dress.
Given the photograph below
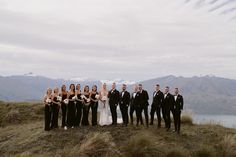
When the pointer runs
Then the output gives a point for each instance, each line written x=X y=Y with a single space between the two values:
x=105 y=117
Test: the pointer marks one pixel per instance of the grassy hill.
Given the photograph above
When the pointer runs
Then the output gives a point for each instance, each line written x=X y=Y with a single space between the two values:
x=22 y=134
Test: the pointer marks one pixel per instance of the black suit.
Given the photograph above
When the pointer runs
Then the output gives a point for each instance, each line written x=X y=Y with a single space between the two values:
x=156 y=106
x=135 y=106
x=124 y=104
x=178 y=106
x=113 y=96
x=167 y=106
x=143 y=99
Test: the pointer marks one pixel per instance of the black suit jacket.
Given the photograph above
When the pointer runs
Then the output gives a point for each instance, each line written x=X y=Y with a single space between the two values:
x=134 y=101
x=143 y=97
x=179 y=103
x=114 y=97
x=125 y=100
x=158 y=98
x=168 y=102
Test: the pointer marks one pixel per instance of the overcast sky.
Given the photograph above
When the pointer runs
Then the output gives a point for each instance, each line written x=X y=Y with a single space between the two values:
x=108 y=39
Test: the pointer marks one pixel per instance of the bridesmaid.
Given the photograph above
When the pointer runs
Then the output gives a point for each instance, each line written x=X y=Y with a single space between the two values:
x=63 y=95
x=86 y=106
x=94 y=97
x=71 y=107
x=79 y=106
x=56 y=103
x=47 y=100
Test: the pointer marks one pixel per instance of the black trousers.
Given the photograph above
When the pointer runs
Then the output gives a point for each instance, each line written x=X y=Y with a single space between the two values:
x=166 y=117
x=71 y=114
x=94 y=107
x=47 y=117
x=85 y=120
x=145 y=109
x=156 y=109
x=78 y=115
x=113 y=108
x=55 y=114
x=138 y=111
x=177 y=119
x=63 y=114
x=131 y=112
x=124 y=113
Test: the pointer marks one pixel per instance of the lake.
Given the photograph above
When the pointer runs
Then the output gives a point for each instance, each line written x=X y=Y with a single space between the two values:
x=228 y=121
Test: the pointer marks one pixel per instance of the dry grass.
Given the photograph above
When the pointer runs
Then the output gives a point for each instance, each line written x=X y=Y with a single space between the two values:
x=204 y=151
x=94 y=145
x=29 y=139
x=228 y=146
x=180 y=152
x=142 y=145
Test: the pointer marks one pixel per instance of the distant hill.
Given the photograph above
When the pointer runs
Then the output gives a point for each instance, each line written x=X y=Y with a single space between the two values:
x=203 y=95
x=30 y=88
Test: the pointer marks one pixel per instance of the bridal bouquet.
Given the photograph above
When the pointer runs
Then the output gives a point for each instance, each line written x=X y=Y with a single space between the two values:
x=97 y=96
x=66 y=101
x=88 y=100
x=48 y=100
x=104 y=98
x=59 y=98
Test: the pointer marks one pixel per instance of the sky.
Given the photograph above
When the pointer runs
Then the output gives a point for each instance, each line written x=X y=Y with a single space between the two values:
x=109 y=39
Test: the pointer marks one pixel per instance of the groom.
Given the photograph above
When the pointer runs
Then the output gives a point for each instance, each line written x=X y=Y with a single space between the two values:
x=113 y=96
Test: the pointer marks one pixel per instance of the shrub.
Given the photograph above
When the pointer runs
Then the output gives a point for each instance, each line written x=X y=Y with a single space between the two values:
x=187 y=119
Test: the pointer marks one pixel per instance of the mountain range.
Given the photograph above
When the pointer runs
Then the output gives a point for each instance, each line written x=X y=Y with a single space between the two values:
x=202 y=95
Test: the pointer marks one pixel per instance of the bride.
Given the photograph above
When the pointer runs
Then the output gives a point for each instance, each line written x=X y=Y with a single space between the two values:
x=105 y=119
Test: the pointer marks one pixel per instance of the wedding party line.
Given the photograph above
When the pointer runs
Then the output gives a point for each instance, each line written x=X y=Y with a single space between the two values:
x=75 y=106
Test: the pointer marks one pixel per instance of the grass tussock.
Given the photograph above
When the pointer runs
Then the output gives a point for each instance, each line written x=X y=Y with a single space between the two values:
x=142 y=145
x=94 y=144
x=186 y=118
x=204 y=151
x=228 y=146
x=177 y=153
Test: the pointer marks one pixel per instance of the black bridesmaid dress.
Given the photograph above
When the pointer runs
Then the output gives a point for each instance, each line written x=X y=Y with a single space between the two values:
x=47 y=116
x=63 y=110
x=71 y=112
x=86 y=108
x=79 y=107
x=55 y=113
x=94 y=107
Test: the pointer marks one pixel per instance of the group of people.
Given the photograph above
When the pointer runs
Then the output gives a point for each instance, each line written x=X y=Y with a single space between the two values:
x=76 y=105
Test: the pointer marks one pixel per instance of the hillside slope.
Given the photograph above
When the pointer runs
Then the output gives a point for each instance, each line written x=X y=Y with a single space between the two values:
x=22 y=134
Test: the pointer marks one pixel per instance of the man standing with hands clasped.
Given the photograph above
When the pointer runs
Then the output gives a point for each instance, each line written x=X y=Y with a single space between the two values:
x=124 y=104
x=178 y=106
x=113 y=96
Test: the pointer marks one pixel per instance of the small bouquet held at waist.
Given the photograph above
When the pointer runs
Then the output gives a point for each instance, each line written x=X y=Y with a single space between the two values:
x=66 y=101
x=59 y=98
x=48 y=100
x=97 y=96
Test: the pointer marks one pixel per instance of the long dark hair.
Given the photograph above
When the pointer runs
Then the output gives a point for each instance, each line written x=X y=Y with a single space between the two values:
x=73 y=86
x=86 y=87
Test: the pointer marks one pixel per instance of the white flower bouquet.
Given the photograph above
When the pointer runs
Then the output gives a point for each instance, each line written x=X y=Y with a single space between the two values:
x=83 y=97
x=104 y=98
x=74 y=98
x=66 y=101
x=48 y=100
x=97 y=96
x=59 y=98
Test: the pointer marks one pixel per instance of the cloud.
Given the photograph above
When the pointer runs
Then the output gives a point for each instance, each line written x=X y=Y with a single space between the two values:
x=127 y=39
